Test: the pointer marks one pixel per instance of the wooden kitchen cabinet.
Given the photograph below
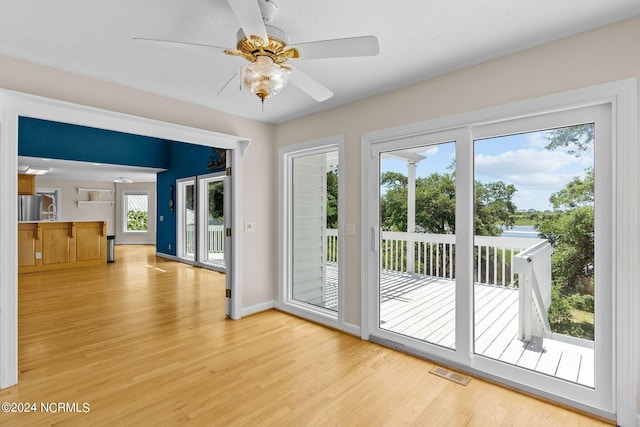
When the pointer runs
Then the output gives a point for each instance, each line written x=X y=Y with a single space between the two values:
x=58 y=245
x=26 y=184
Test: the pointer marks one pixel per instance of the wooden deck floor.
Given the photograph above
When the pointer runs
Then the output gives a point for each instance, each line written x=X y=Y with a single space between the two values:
x=422 y=307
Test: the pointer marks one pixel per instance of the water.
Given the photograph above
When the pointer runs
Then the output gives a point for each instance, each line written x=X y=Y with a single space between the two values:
x=520 y=231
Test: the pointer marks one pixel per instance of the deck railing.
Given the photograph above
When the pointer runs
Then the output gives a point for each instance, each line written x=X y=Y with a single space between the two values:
x=332 y=245
x=216 y=239
x=534 y=268
x=515 y=262
x=434 y=255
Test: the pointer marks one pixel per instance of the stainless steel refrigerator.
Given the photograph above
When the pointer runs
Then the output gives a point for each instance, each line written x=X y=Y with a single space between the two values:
x=29 y=208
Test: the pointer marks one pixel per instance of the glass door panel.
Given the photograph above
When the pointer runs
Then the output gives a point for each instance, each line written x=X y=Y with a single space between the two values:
x=314 y=213
x=501 y=257
x=213 y=221
x=186 y=219
x=417 y=279
x=534 y=251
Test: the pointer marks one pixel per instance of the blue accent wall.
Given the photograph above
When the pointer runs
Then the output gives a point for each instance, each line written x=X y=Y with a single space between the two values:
x=186 y=160
x=43 y=138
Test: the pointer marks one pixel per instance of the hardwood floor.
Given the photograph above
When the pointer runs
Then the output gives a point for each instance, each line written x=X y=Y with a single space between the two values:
x=144 y=341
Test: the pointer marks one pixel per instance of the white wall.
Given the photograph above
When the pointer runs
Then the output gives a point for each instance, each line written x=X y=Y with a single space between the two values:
x=71 y=211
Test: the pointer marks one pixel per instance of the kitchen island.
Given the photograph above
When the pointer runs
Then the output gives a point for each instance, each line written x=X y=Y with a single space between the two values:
x=54 y=245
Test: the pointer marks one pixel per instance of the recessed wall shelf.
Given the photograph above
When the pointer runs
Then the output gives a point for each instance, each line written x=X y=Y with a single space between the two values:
x=93 y=202
x=104 y=190
x=94 y=195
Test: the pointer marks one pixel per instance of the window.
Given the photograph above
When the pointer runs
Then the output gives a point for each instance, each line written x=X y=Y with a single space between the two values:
x=136 y=212
x=50 y=203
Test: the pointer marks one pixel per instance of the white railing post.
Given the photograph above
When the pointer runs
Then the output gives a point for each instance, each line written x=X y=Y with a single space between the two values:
x=411 y=253
x=533 y=266
x=522 y=266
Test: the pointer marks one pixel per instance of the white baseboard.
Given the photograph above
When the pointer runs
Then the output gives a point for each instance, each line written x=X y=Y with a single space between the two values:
x=167 y=256
x=246 y=311
x=351 y=329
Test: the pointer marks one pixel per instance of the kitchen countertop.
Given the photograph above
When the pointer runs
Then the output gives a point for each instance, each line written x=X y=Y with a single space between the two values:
x=61 y=220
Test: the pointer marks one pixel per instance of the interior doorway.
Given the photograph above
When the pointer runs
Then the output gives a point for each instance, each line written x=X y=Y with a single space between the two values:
x=16 y=105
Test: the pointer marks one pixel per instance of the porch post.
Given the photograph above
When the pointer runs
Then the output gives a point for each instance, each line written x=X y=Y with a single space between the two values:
x=411 y=214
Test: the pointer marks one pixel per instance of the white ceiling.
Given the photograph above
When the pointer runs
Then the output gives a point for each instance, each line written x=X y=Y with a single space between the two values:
x=83 y=171
x=419 y=39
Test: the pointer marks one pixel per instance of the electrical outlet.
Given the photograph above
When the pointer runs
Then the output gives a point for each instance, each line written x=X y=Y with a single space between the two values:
x=169 y=246
x=248 y=227
x=38 y=255
x=161 y=218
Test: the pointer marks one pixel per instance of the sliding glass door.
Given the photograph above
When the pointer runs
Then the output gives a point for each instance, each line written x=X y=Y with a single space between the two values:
x=491 y=250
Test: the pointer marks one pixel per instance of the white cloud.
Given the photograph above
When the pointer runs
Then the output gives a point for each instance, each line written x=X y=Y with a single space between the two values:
x=537 y=139
x=524 y=164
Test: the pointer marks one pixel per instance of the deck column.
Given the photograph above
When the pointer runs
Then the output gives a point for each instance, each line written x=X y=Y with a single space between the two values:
x=411 y=214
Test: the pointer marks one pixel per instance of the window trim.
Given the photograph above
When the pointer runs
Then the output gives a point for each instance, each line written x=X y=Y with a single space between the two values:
x=125 y=218
x=285 y=302
x=58 y=192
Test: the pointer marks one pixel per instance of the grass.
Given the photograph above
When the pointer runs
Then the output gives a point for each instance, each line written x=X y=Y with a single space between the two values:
x=524 y=221
x=585 y=320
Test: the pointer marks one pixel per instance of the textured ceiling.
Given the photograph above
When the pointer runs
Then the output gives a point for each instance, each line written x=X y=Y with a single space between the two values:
x=419 y=39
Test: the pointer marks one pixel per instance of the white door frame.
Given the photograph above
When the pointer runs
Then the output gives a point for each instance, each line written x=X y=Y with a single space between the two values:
x=285 y=255
x=622 y=96
x=202 y=217
x=15 y=104
x=181 y=183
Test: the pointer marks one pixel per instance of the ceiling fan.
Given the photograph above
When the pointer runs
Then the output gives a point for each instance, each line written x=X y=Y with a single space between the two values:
x=268 y=50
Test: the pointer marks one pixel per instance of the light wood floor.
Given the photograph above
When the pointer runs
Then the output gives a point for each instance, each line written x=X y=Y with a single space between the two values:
x=144 y=341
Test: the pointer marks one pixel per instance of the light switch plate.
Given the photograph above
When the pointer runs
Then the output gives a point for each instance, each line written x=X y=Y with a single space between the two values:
x=248 y=227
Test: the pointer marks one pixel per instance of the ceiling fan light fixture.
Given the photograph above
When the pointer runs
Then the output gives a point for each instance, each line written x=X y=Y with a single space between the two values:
x=123 y=180
x=264 y=78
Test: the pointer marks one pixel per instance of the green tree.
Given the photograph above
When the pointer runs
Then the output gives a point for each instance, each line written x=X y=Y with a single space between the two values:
x=570 y=229
x=137 y=221
x=576 y=140
x=435 y=204
x=332 y=199
x=216 y=200
x=494 y=207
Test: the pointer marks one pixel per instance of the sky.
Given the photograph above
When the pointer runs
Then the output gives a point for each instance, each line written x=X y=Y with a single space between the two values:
x=520 y=160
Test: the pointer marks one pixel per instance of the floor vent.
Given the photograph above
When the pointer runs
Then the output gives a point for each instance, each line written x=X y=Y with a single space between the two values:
x=451 y=376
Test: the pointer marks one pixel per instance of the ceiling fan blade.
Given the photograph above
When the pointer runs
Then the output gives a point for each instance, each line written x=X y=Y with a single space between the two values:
x=308 y=85
x=339 y=48
x=179 y=45
x=250 y=18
